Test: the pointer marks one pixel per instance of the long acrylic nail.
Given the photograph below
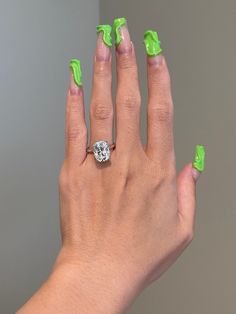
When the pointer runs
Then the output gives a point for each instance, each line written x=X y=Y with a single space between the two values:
x=104 y=42
x=199 y=160
x=122 y=37
x=75 y=66
x=118 y=23
x=106 y=30
x=73 y=87
x=152 y=43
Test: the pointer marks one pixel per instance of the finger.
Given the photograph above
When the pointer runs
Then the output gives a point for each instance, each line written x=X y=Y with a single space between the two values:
x=186 y=188
x=128 y=98
x=160 y=105
x=76 y=130
x=186 y=191
x=101 y=108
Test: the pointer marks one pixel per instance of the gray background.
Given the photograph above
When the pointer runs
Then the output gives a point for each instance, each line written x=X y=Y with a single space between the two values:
x=38 y=38
x=198 y=38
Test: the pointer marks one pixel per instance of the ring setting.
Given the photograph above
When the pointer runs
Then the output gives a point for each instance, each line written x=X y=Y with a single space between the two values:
x=101 y=150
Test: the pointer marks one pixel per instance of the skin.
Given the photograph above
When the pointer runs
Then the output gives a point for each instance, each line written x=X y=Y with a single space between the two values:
x=123 y=223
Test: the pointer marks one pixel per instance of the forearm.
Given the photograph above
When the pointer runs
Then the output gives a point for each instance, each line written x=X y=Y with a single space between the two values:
x=71 y=289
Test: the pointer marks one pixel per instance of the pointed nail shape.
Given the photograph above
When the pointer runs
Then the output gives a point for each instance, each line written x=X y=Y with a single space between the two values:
x=152 y=43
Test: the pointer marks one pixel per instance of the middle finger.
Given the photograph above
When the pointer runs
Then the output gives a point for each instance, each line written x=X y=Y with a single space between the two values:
x=101 y=108
x=128 y=99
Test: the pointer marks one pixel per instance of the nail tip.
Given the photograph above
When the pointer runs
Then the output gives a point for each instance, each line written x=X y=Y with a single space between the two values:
x=199 y=161
x=75 y=66
x=117 y=24
x=152 y=43
x=119 y=20
x=106 y=29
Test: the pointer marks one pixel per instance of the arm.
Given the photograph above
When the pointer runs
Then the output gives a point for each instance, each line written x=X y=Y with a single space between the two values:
x=72 y=289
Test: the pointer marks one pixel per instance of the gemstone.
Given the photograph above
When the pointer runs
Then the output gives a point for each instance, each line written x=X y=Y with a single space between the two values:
x=101 y=151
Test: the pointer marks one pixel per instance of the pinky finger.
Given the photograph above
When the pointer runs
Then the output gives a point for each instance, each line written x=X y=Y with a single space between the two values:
x=75 y=130
x=186 y=187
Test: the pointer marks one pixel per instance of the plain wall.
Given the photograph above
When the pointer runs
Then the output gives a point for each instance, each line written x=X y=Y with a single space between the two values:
x=38 y=39
x=198 y=38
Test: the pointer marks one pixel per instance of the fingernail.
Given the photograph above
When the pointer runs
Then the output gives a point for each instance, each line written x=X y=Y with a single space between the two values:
x=122 y=37
x=76 y=78
x=104 y=42
x=199 y=161
x=152 y=43
x=117 y=24
x=106 y=29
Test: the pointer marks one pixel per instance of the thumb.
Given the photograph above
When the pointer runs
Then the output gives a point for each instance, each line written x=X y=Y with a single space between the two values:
x=186 y=186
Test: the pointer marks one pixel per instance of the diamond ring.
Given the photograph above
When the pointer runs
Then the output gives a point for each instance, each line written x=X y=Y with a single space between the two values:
x=101 y=150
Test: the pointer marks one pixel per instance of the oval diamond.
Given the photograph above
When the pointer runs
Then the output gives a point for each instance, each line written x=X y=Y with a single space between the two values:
x=101 y=151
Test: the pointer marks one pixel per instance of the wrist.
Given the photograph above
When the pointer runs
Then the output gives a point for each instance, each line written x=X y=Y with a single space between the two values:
x=94 y=287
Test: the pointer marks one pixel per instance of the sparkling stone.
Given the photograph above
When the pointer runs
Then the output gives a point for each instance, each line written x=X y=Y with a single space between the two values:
x=101 y=151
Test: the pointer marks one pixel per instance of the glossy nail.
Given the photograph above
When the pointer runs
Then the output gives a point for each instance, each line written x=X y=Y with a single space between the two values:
x=199 y=161
x=75 y=66
x=104 y=43
x=152 y=43
x=122 y=37
x=106 y=30
x=118 y=23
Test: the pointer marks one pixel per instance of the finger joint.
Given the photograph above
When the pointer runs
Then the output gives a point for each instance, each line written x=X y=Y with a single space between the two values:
x=102 y=112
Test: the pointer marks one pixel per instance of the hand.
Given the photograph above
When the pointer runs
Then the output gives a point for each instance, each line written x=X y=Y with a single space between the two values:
x=125 y=221
x=128 y=219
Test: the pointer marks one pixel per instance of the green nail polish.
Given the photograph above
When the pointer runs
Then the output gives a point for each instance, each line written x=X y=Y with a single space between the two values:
x=117 y=25
x=152 y=43
x=106 y=29
x=199 y=161
x=76 y=70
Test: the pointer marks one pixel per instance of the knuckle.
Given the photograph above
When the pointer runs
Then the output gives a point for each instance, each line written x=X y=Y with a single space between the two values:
x=127 y=62
x=130 y=102
x=161 y=113
x=102 y=112
x=75 y=133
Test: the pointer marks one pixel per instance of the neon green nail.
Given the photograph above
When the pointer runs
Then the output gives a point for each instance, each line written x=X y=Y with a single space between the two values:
x=152 y=43
x=199 y=161
x=106 y=29
x=117 y=25
x=76 y=70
